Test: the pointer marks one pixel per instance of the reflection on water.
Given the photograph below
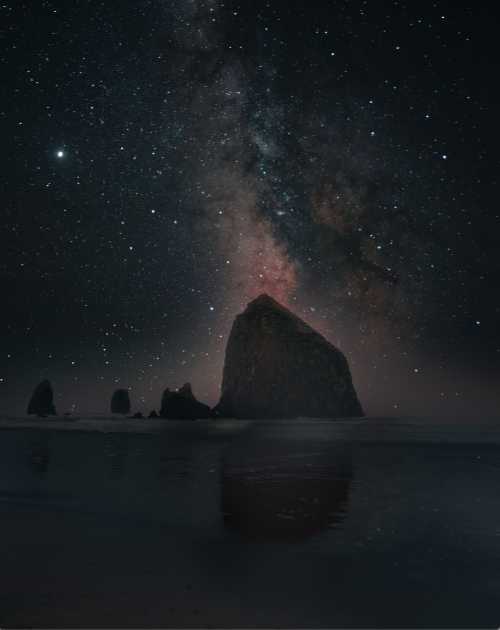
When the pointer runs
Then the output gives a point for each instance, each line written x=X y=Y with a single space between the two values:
x=116 y=450
x=39 y=454
x=270 y=492
x=283 y=510
x=385 y=526
x=173 y=467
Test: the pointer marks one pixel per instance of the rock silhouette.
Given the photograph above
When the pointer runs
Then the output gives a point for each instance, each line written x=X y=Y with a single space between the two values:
x=120 y=402
x=42 y=400
x=182 y=405
x=277 y=366
x=153 y=414
x=137 y=416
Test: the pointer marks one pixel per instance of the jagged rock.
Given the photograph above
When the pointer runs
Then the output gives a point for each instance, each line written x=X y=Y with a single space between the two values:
x=120 y=402
x=182 y=405
x=42 y=400
x=137 y=416
x=277 y=366
x=153 y=414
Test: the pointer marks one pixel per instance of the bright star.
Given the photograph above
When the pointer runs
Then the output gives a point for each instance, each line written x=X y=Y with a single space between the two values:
x=60 y=154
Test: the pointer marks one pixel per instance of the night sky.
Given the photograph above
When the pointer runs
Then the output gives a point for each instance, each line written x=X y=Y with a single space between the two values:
x=164 y=162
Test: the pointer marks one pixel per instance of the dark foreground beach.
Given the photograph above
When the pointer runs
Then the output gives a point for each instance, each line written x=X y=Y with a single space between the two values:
x=389 y=523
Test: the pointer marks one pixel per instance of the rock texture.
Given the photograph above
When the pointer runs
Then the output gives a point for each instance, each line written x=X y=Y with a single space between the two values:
x=120 y=402
x=182 y=405
x=42 y=400
x=279 y=367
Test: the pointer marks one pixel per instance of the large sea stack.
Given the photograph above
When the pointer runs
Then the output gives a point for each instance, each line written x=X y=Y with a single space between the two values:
x=182 y=405
x=42 y=400
x=279 y=367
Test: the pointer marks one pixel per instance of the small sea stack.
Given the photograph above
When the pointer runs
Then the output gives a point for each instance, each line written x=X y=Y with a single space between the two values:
x=182 y=405
x=120 y=402
x=42 y=400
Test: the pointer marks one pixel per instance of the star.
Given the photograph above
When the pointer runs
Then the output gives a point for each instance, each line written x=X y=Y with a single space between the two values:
x=188 y=197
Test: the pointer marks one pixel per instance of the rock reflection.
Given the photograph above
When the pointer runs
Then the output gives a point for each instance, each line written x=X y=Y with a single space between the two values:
x=39 y=455
x=116 y=449
x=271 y=494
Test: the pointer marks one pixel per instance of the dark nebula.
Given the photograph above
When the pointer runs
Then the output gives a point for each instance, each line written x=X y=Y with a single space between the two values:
x=165 y=162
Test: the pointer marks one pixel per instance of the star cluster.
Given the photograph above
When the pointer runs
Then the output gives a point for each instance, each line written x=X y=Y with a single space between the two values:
x=165 y=162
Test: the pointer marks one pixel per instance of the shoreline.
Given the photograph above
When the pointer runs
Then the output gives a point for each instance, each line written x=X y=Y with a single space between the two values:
x=373 y=430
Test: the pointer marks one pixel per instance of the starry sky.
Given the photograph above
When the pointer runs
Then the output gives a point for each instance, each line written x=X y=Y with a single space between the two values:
x=165 y=161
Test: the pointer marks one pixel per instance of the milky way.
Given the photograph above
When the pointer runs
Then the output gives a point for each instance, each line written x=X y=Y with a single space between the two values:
x=229 y=152
x=167 y=162
x=264 y=174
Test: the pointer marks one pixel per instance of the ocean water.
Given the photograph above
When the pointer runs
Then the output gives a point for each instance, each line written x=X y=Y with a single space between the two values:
x=373 y=523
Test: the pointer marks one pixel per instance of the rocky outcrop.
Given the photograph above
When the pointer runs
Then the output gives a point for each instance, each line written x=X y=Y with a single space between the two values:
x=42 y=400
x=153 y=414
x=277 y=366
x=120 y=402
x=182 y=405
